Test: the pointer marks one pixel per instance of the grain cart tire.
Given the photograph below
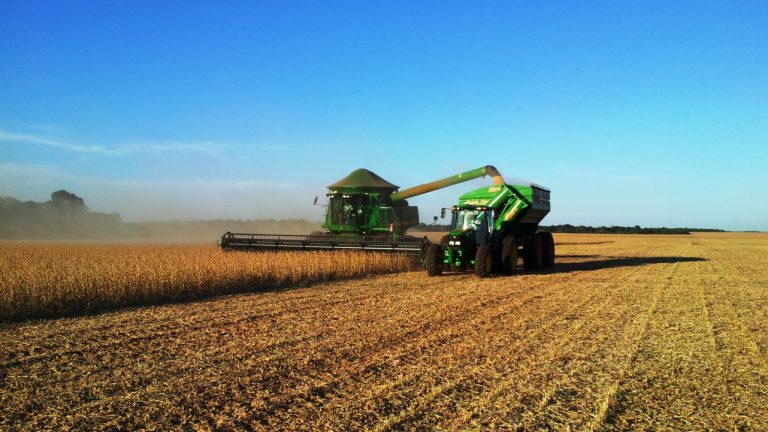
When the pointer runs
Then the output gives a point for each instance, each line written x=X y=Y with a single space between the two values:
x=532 y=253
x=483 y=261
x=508 y=255
x=548 y=249
x=434 y=260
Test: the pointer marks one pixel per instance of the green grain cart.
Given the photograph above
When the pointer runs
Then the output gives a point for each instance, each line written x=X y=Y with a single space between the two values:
x=490 y=228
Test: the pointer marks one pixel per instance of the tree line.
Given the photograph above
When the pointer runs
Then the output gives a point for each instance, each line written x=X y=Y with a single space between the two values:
x=567 y=228
x=637 y=229
x=65 y=216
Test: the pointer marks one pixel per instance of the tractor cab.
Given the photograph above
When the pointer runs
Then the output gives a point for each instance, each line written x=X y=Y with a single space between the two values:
x=471 y=223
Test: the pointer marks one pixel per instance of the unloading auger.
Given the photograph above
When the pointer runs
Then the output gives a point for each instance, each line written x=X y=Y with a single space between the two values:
x=364 y=212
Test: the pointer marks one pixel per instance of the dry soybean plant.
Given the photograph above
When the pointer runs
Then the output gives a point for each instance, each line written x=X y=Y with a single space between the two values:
x=53 y=280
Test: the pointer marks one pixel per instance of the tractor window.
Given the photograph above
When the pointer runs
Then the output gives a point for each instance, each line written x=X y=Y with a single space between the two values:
x=473 y=219
x=466 y=219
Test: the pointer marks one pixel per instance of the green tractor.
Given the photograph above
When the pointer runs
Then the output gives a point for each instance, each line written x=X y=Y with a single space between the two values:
x=490 y=228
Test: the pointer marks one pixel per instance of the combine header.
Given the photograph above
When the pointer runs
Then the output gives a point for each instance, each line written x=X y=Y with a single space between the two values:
x=364 y=212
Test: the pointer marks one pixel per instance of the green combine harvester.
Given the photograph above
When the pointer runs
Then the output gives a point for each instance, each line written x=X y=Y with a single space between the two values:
x=364 y=212
x=490 y=228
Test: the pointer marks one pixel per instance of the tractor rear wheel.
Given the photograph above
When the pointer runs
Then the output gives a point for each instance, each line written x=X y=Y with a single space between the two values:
x=532 y=253
x=508 y=255
x=483 y=261
x=434 y=260
x=548 y=249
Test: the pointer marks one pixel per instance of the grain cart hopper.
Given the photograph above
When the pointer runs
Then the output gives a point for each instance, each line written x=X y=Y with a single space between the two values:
x=490 y=226
x=365 y=212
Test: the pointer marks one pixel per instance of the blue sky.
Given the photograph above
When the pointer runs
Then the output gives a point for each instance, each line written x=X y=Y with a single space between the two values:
x=649 y=113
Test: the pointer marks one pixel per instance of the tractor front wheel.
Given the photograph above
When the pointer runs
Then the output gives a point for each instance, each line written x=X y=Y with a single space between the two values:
x=483 y=261
x=434 y=260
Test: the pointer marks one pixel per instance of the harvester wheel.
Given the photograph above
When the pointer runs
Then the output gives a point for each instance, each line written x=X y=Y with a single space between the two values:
x=434 y=260
x=316 y=233
x=508 y=255
x=532 y=253
x=548 y=249
x=483 y=261
x=444 y=240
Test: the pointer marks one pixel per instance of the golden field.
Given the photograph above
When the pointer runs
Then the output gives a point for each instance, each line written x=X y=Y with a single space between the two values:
x=624 y=333
x=52 y=280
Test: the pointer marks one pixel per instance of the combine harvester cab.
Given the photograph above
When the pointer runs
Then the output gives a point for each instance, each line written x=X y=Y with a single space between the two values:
x=491 y=227
x=364 y=212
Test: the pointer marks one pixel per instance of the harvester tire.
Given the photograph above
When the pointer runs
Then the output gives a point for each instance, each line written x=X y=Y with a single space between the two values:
x=532 y=253
x=316 y=233
x=483 y=261
x=434 y=260
x=444 y=240
x=548 y=249
x=508 y=255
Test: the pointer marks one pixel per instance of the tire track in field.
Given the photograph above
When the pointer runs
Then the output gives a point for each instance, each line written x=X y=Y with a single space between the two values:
x=181 y=372
x=480 y=301
x=448 y=329
x=427 y=391
x=357 y=360
x=562 y=348
x=430 y=348
x=608 y=405
x=664 y=373
x=470 y=312
x=500 y=352
x=173 y=325
x=738 y=355
x=492 y=399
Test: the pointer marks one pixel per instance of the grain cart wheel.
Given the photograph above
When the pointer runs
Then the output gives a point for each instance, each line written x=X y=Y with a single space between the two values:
x=548 y=249
x=483 y=261
x=434 y=260
x=532 y=253
x=508 y=255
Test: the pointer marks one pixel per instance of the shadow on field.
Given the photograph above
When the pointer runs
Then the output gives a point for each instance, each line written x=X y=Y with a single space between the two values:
x=611 y=262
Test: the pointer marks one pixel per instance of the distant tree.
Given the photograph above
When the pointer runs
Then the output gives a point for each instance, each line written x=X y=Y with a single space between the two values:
x=62 y=198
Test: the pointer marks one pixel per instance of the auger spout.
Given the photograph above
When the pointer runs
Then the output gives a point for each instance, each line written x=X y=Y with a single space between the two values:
x=487 y=170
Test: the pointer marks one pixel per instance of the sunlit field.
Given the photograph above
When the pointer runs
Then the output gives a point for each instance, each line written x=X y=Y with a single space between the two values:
x=623 y=333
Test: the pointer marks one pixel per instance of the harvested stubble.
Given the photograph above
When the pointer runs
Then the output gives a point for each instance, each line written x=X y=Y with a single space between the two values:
x=624 y=333
x=53 y=280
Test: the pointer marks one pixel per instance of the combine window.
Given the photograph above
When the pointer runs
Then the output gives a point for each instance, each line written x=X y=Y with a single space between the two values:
x=348 y=209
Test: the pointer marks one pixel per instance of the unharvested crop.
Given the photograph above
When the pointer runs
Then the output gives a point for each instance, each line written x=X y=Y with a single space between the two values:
x=50 y=280
x=624 y=333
